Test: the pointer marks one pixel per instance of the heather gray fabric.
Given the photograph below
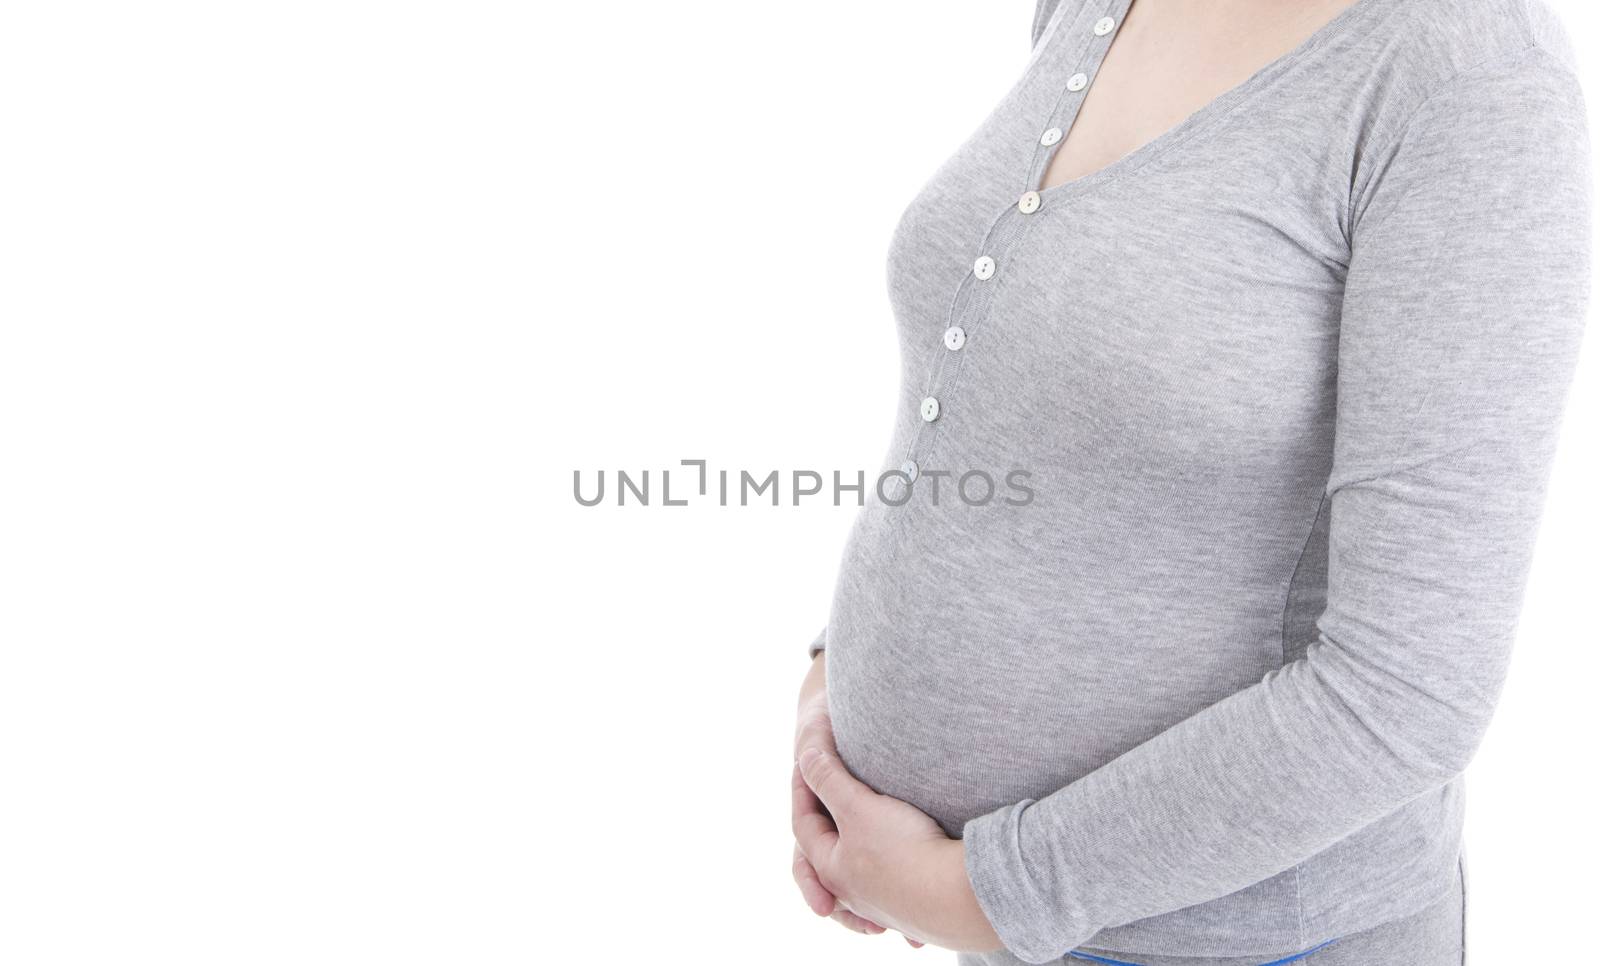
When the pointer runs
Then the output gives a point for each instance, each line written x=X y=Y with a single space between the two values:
x=1287 y=381
x=1436 y=936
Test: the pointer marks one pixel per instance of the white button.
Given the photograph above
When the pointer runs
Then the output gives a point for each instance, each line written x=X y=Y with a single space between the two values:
x=1103 y=26
x=955 y=337
x=930 y=409
x=909 y=468
x=983 y=267
x=1029 y=203
x=1077 y=82
x=1050 y=137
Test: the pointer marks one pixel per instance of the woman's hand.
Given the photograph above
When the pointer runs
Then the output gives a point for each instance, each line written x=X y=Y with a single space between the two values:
x=812 y=726
x=887 y=862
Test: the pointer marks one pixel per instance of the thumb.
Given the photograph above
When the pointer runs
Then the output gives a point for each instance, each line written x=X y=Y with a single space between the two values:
x=830 y=780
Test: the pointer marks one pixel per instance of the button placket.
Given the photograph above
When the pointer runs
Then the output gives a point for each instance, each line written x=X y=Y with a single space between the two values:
x=975 y=291
x=1083 y=59
x=968 y=309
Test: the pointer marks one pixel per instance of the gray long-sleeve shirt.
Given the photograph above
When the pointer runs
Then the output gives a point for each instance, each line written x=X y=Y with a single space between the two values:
x=1286 y=383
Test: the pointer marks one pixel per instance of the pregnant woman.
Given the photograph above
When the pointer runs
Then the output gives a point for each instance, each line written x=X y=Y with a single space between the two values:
x=1276 y=304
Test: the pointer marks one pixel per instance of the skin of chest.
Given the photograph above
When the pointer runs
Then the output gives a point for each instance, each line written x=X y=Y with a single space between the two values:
x=1170 y=58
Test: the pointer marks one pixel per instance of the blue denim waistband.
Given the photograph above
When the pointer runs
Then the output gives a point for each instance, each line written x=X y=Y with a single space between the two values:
x=1276 y=962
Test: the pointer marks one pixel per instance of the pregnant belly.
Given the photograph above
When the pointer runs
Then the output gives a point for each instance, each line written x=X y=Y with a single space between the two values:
x=963 y=690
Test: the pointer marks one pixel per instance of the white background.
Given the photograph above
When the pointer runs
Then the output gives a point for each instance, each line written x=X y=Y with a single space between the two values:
x=311 y=309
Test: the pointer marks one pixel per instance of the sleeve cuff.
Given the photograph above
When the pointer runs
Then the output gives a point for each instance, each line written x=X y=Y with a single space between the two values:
x=1037 y=924
x=819 y=645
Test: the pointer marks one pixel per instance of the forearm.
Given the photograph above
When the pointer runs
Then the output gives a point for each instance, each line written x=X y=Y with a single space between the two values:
x=1231 y=796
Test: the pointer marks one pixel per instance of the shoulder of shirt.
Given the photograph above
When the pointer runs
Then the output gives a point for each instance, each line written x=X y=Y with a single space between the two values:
x=1424 y=48
x=1432 y=56
x=1431 y=68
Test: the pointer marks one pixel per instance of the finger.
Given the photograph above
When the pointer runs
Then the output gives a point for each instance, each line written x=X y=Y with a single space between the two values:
x=814 y=729
x=813 y=828
x=855 y=923
x=913 y=943
x=803 y=801
x=816 y=895
x=826 y=775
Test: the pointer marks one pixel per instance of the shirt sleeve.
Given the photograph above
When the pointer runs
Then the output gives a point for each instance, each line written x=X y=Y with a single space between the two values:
x=818 y=644
x=1460 y=328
